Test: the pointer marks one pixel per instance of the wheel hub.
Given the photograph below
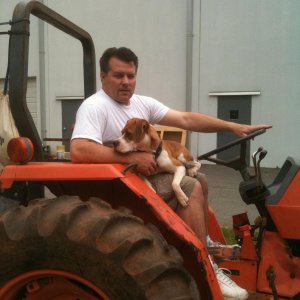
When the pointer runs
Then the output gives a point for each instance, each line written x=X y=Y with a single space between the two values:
x=50 y=285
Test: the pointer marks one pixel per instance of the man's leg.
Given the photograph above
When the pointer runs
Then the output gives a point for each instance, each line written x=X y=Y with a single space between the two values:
x=198 y=204
x=204 y=184
x=195 y=214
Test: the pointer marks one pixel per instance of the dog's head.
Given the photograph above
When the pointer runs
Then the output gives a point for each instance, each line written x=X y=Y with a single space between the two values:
x=137 y=135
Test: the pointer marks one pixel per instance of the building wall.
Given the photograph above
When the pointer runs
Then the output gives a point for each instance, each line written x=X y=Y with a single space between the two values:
x=6 y=12
x=156 y=31
x=187 y=49
x=254 y=45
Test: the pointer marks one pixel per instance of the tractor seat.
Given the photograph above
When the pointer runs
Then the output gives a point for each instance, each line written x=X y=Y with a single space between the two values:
x=283 y=202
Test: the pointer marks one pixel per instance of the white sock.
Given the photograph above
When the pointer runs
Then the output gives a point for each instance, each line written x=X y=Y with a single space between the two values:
x=208 y=239
x=214 y=265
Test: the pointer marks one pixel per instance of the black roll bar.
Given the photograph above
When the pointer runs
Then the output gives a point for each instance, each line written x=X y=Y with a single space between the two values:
x=18 y=63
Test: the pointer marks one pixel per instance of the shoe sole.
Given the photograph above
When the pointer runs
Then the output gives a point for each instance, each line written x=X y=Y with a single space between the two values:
x=235 y=298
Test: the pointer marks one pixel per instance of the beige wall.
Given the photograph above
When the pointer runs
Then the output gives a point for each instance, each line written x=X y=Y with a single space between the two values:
x=187 y=49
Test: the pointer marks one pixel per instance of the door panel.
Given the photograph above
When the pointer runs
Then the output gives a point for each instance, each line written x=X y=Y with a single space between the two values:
x=234 y=109
x=69 y=109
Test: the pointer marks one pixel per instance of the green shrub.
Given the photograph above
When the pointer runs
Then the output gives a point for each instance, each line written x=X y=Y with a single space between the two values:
x=228 y=235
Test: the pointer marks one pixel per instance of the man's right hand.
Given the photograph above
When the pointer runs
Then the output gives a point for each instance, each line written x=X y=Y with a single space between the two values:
x=88 y=151
x=146 y=163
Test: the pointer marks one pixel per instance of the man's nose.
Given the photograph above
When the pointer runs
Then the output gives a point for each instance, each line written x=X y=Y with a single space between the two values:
x=125 y=79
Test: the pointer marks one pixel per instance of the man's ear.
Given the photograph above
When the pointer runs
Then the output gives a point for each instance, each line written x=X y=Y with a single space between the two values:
x=155 y=139
x=102 y=75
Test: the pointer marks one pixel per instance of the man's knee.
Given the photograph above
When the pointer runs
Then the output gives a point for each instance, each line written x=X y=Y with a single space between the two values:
x=162 y=184
x=204 y=183
x=197 y=197
x=195 y=189
x=188 y=185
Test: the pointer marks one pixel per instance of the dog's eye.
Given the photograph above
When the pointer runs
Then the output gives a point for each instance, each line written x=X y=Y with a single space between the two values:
x=128 y=135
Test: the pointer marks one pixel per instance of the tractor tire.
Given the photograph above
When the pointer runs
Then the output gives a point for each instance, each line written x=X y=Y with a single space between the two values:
x=112 y=249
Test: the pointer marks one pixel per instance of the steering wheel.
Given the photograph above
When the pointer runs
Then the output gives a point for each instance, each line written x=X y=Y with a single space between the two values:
x=238 y=163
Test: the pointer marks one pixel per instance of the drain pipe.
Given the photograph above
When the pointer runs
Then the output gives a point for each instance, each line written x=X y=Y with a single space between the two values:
x=42 y=77
x=189 y=54
x=193 y=65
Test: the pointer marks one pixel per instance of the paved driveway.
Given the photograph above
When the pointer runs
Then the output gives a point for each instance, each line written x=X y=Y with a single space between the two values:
x=224 y=195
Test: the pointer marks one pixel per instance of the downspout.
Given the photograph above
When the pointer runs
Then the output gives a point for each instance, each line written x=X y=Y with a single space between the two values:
x=189 y=60
x=193 y=67
x=42 y=75
x=189 y=54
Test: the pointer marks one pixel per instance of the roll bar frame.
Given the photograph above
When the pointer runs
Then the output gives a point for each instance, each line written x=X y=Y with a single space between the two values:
x=18 y=63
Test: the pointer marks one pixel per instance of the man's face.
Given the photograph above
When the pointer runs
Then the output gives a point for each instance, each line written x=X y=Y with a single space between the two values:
x=119 y=82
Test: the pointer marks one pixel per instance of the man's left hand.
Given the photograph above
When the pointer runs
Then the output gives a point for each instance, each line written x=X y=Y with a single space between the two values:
x=241 y=130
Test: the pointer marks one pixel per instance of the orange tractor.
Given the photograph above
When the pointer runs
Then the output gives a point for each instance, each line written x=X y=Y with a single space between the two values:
x=106 y=235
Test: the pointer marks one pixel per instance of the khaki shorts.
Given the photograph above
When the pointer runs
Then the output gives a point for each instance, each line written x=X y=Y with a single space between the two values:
x=162 y=184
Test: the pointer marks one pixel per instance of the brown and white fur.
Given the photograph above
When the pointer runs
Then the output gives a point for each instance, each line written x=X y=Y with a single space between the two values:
x=139 y=135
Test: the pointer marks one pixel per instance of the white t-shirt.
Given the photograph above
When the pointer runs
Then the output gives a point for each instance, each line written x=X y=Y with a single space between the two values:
x=101 y=119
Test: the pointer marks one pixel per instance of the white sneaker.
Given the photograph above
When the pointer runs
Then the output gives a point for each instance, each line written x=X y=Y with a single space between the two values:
x=212 y=244
x=230 y=290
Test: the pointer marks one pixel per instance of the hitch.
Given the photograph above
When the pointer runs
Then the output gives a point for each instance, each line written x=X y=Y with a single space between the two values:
x=271 y=279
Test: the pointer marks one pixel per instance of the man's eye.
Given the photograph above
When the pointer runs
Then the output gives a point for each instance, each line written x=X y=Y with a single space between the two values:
x=131 y=76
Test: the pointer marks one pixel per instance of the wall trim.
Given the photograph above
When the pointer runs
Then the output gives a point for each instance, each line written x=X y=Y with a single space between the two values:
x=62 y=98
x=216 y=94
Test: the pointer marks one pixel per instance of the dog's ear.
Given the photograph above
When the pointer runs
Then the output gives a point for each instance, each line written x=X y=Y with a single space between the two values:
x=155 y=139
x=129 y=127
x=142 y=127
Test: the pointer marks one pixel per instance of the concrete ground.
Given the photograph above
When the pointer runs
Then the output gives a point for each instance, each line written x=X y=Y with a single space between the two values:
x=224 y=195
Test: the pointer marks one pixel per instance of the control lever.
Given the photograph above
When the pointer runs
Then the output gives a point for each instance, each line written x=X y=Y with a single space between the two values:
x=262 y=155
x=254 y=159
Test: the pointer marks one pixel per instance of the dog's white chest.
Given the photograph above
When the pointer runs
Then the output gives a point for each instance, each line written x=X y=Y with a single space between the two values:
x=164 y=162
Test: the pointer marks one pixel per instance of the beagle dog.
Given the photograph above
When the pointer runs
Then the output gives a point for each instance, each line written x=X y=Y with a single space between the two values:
x=171 y=157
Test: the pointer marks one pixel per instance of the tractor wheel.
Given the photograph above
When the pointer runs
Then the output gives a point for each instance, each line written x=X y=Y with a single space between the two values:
x=103 y=253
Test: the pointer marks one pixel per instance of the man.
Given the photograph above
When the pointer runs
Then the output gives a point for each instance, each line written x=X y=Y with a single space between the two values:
x=102 y=116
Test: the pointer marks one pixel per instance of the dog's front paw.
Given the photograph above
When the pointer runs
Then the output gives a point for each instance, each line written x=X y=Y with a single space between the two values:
x=183 y=200
x=192 y=172
x=180 y=195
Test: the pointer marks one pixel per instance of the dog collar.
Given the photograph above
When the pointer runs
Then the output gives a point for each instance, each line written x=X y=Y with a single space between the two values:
x=158 y=151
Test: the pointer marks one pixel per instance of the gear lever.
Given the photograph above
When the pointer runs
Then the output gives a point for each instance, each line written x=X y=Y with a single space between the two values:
x=254 y=159
x=262 y=155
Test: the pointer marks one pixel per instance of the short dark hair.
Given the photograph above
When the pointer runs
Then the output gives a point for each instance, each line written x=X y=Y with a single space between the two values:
x=122 y=53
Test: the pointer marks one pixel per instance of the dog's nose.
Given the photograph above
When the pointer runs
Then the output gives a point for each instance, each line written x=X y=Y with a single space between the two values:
x=116 y=143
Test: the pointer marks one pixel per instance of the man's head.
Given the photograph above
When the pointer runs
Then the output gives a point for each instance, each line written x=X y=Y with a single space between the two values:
x=118 y=68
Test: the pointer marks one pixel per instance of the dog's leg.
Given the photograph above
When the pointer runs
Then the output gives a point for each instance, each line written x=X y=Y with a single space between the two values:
x=180 y=195
x=191 y=164
x=193 y=168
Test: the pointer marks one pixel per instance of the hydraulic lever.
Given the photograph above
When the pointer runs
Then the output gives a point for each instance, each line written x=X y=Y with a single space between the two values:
x=262 y=155
x=254 y=159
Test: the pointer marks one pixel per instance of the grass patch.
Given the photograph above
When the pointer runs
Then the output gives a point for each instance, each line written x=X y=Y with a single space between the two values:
x=228 y=235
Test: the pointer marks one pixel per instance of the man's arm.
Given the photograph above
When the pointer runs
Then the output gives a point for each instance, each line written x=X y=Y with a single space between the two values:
x=88 y=151
x=199 y=122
